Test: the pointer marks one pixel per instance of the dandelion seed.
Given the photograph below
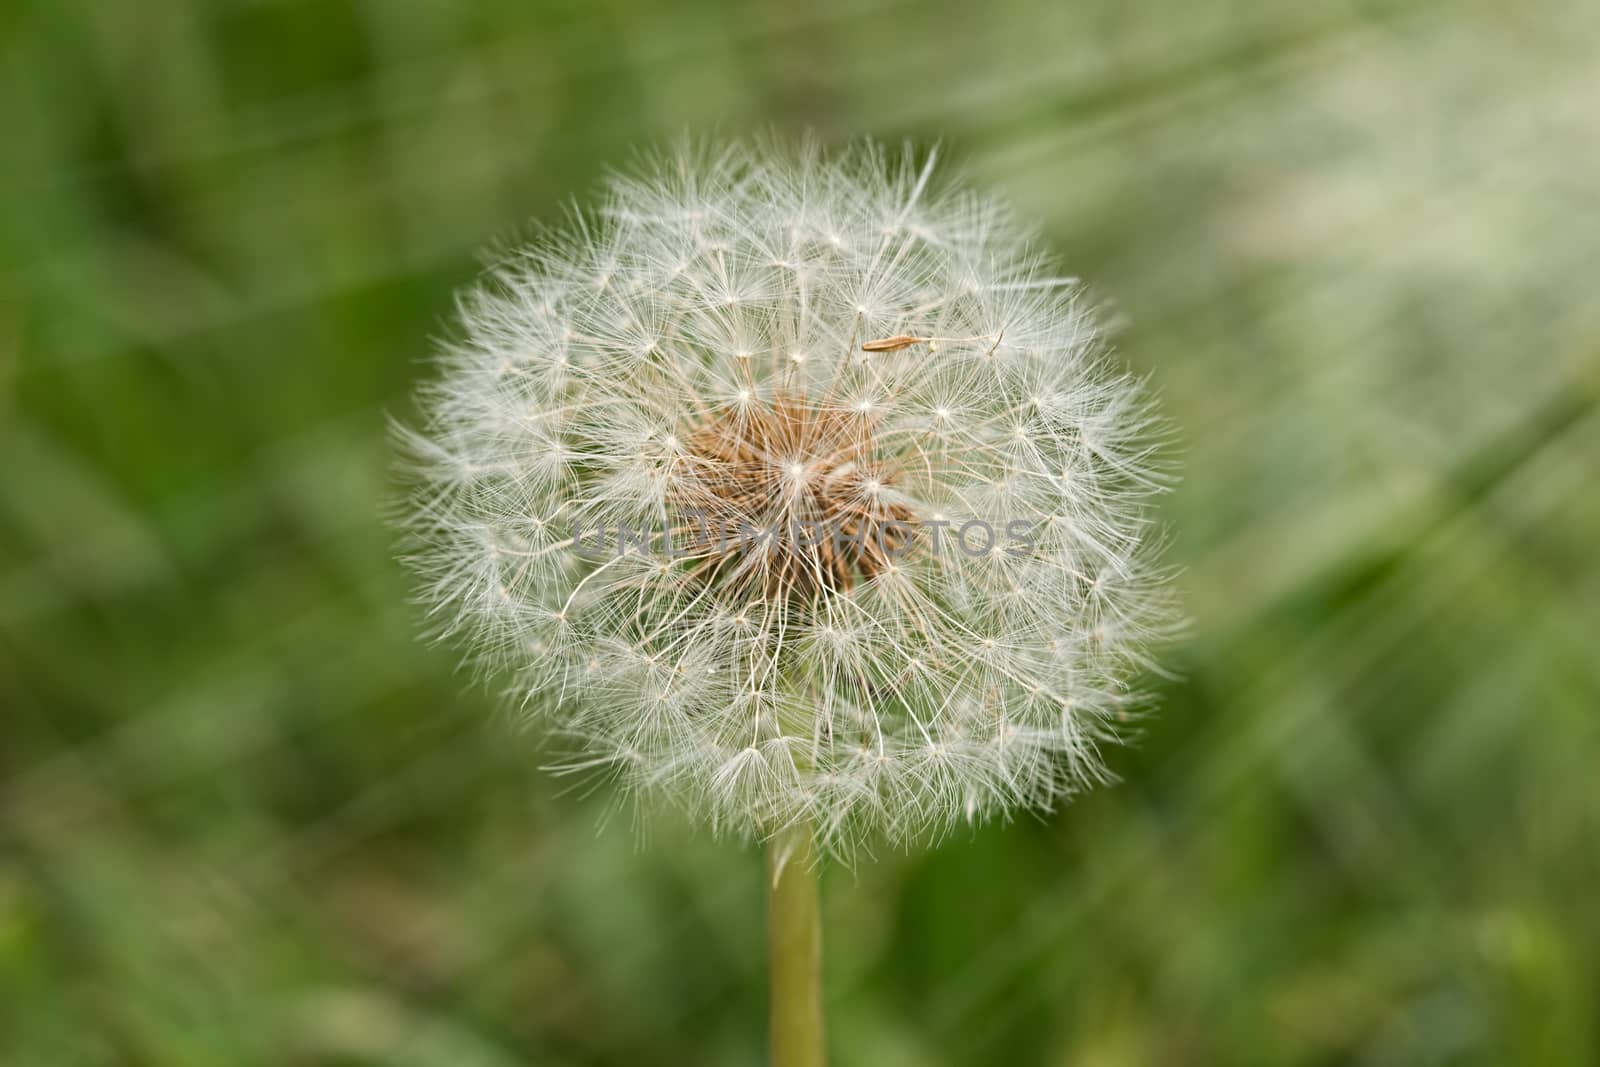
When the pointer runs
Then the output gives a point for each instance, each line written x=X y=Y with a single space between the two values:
x=893 y=344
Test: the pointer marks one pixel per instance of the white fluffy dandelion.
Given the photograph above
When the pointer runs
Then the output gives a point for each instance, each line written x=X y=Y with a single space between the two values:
x=801 y=491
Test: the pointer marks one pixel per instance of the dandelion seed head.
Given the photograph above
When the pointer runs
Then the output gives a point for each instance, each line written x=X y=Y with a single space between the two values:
x=693 y=354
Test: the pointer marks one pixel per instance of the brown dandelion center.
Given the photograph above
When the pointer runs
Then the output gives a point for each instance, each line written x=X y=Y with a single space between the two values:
x=789 y=499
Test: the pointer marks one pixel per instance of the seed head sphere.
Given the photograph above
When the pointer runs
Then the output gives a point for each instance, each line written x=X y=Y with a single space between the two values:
x=799 y=489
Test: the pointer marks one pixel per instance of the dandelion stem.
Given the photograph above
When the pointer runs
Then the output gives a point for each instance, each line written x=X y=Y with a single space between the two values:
x=794 y=934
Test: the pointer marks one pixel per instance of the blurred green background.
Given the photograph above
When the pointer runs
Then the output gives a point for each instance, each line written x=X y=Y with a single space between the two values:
x=246 y=818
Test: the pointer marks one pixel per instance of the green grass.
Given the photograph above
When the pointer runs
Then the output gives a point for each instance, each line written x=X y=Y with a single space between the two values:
x=245 y=817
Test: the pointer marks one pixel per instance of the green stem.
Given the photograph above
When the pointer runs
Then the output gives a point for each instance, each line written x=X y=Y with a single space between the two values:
x=794 y=935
